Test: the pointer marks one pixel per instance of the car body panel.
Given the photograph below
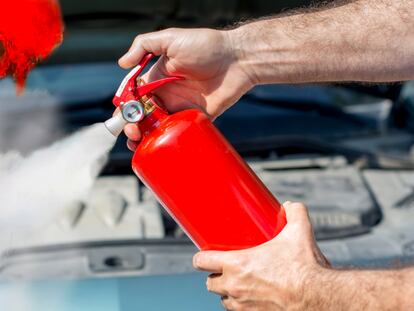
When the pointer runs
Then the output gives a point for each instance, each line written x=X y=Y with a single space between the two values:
x=185 y=292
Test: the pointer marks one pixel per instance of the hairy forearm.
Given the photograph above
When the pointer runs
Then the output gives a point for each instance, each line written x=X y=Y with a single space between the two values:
x=361 y=290
x=366 y=40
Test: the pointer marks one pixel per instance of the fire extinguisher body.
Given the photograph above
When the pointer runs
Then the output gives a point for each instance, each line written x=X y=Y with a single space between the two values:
x=204 y=183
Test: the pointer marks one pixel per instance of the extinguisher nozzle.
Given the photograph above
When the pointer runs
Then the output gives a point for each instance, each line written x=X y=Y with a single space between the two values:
x=116 y=124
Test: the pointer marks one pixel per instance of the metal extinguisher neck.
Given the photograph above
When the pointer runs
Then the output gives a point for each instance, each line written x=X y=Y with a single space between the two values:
x=154 y=115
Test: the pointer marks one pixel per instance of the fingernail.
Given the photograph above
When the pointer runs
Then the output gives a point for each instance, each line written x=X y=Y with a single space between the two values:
x=287 y=203
x=196 y=260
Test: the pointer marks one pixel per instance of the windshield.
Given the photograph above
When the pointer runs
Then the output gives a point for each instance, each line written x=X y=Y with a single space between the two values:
x=346 y=144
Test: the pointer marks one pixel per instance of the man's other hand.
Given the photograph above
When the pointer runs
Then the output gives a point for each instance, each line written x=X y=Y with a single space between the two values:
x=271 y=276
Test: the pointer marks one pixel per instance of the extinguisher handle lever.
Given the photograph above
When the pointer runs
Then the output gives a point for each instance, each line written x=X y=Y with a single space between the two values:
x=129 y=90
x=150 y=87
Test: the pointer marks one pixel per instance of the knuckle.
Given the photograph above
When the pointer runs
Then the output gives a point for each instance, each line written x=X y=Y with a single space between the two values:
x=239 y=261
x=237 y=306
x=171 y=30
x=226 y=305
x=233 y=305
x=236 y=262
x=235 y=290
x=229 y=304
x=217 y=286
x=139 y=37
x=139 y=40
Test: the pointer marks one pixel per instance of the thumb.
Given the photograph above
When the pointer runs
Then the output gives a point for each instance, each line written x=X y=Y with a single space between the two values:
x=153 y=42
x=296 y=213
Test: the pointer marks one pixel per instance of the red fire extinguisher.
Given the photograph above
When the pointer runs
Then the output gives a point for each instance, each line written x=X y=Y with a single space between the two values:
x=194 y=172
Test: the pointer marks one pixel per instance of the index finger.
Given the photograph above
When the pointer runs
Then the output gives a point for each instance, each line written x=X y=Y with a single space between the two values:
x=155 y=42
x=210 y=261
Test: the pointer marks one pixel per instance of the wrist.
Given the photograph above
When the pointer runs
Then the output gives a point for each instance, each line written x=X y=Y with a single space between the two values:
x=304 y=288
x=240 y=48
x=314 y=288
x=350 y=290
x=266 y=52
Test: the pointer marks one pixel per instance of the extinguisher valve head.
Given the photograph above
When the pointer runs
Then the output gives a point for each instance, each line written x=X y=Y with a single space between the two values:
x=131 y=112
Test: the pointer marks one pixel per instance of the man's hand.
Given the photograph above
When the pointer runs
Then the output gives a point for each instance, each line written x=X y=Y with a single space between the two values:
x=272 y=276
x=215 y=78
x=290 y=273
x=362 y=40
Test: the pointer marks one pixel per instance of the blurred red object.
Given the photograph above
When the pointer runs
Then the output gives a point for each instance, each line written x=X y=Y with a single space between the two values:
x=29 y=30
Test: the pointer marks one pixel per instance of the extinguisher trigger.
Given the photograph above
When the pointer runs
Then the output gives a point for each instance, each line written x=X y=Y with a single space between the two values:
x=129 y=89
x=129 y=83
x=145 y=89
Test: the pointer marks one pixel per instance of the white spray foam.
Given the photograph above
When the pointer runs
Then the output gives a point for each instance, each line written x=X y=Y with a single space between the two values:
x=37 y=188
